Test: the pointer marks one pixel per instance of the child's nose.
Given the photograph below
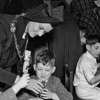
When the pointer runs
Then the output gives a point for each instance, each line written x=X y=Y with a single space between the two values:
x=99 y=51
x=43 y=72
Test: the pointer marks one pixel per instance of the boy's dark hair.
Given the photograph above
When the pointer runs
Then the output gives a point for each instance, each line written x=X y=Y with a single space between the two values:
x=92 y=39
x=45 y=57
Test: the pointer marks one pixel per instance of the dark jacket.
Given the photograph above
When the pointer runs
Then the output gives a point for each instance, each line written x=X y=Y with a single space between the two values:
x=54 y=85
x=8 y=95
x=8 y=54
x=65 y=44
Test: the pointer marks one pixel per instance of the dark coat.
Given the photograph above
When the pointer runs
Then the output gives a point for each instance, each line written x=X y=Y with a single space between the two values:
x=65 y=44
x=8 y=54
x=54 y=85
x=8 y=95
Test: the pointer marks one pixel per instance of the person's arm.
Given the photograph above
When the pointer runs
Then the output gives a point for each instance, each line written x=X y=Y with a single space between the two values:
x=23 y=82
x=10 y=94
x=89 y=74
x=95 y=79
x=61 y=93
x=7 y=77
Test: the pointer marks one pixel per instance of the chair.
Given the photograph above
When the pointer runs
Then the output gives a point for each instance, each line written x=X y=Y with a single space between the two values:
x=68 y=78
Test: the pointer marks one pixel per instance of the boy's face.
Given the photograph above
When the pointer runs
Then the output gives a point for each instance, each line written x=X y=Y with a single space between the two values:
x=94 y=50
x=44 y=72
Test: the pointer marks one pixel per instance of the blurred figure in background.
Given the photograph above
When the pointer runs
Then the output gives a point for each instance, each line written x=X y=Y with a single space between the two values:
x=15 y=31
x=83 y=12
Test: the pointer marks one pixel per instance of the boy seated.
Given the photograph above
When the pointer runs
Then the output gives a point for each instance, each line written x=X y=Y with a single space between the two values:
x=53 y=88
x=85 y=78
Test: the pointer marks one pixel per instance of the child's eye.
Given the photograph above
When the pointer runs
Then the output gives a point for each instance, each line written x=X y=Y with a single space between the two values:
x=96 y=48
x=47 y=70
x=39 y=69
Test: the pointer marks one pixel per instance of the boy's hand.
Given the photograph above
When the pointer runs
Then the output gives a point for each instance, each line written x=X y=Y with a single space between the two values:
x=35 y=86
x=46 y=94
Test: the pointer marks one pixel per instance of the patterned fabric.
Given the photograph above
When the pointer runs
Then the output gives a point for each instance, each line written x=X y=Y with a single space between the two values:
x=89 y=21
x=84 y=15
x=82 y=6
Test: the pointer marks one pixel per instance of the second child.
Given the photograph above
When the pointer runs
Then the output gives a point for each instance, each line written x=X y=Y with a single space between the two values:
x=85 y=79
x=53 y=88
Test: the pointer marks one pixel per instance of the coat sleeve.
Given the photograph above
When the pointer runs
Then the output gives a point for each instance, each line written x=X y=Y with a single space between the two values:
x=5 y=77
x=8 y=95
x=61 y=91
x=2 y=37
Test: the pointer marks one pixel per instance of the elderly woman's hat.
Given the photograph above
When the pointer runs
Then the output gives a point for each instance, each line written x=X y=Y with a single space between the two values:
x=55 y=3
x=40 y=14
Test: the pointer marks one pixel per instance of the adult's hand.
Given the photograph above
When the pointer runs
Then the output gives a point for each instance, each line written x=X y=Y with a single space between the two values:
x=35 y=86
x=17 y=79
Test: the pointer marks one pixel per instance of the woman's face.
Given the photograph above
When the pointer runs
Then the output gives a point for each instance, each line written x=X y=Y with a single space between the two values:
x=38 y=29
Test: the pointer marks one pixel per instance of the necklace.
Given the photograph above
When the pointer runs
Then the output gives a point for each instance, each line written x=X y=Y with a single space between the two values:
x=13 y=30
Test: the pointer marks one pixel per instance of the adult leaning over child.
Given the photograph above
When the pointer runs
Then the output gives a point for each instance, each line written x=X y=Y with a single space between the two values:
x=14 y=36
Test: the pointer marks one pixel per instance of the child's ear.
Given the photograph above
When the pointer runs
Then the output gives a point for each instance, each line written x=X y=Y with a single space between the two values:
x=53 y=70
x=88 y=47
x=34 y=66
